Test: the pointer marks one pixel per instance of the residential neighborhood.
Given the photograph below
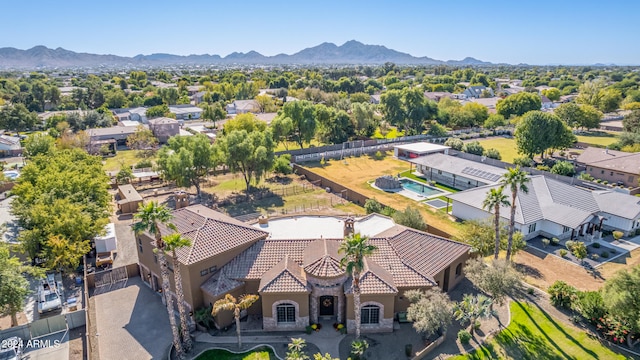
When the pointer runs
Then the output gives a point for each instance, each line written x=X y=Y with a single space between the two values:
x=241 y=193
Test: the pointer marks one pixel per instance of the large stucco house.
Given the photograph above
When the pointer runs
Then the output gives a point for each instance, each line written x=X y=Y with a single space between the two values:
x=555 y=209
x=293 y=264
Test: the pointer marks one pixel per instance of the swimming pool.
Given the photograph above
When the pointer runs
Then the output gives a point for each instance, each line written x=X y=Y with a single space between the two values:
x=419 y=188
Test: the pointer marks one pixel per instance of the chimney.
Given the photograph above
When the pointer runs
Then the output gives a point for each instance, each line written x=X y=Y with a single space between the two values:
x=348 y=226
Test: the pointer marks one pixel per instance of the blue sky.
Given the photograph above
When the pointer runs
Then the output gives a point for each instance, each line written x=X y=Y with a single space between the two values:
x=534 y=32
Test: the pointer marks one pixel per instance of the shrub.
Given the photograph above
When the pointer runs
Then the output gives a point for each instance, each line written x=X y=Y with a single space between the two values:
x=492 y=154
x=464 y=336
x=378 y=155
x=531 y=291
x=617 y=235
x=454 y=143
x=542 y=167
x=590 y=305
x=282 y=165
x=477 y=325
x=523 y=161
x=555 y=241
x=596 y=245
x=545 y=242
x=604 y=254
x=563 y=252
x=144 y=164
x=372 y=206
x=562 y=294
x=569 y=244
x=308 y=329
x=595 y=257
x=473 y=147
x=563 y=168
x=614 y=251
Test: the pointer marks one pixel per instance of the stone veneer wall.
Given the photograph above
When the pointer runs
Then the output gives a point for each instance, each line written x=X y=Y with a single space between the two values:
x=328 y=286
x=385 y=324
x=271 y=323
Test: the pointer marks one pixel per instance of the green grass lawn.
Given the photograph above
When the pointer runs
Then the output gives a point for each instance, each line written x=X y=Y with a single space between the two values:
x=123 y=157
x=258 y=354
x=533 y=334
x=600 y=138
x=392 y=134
x=294 y=146
x=507 y=147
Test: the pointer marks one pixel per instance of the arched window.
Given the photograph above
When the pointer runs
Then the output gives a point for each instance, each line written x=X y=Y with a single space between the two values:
x=459 y=270
x=370 y=314
x=286 y=313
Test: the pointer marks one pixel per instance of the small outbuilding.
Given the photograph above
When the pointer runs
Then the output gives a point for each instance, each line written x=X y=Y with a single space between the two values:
x=108 y=242
x=128 y=199
x=418 y=149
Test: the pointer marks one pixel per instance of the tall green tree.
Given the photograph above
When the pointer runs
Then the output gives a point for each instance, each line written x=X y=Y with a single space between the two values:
x=62 y=194
x=172 y=243
x=302 y=115
x=621 y=296
x=149 y=218
x=518 y=104
x=251 y=153
x=14 y=287
x=516 y=180
x=355 y=248
x=229 y=303
x=39 y=144
x=187 y=160
x=538 y=131
x=17 y=117
x=281 y=128
x=494 y=200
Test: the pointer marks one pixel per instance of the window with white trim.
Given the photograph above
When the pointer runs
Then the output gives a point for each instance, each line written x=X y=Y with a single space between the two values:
x=566 y=229
x=532 y=228
x=370 y=314
x=286 y=313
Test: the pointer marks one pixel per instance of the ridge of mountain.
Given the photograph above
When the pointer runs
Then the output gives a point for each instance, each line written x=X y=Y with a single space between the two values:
x=351 y=52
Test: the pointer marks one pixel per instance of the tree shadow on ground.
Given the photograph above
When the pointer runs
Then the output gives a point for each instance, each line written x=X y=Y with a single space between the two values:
x=535 y=252
x=528 y=270
x=521 y=343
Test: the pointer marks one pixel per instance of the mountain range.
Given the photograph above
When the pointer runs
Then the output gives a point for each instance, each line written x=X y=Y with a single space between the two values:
x=351 y=52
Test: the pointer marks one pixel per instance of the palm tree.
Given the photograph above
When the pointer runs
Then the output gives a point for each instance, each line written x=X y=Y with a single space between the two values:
x=296 y=350
x=496 y=198
x=516 y=179
x=173 y=242
x=150 y=216
x=355 y=248
x=231 y=304
x=472 y=308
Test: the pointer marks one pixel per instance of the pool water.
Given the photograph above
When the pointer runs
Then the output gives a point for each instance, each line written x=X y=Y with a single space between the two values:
x=418 y=188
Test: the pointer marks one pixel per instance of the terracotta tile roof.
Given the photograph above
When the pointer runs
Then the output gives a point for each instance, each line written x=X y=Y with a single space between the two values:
x=211 y=233
x=403 y=274
x=374 y=279
x=426 y=253
x=285 y=277
x=252 y=263
x=219 y=284
x=321 y=258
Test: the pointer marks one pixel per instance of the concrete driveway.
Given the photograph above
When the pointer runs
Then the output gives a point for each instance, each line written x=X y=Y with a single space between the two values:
x=52 y=347
x=132 y=323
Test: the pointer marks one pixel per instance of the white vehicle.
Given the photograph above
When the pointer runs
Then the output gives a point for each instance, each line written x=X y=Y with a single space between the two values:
x=49 y=295
x=11 y=348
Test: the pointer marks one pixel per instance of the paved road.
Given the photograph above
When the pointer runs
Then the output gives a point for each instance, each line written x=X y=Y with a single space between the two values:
x=132 y=323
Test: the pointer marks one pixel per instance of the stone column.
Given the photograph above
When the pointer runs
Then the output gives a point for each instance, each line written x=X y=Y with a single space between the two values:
x=313 y=311
x=340 y=307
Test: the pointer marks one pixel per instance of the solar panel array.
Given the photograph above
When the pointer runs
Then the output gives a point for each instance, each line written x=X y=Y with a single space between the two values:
x=481 y=174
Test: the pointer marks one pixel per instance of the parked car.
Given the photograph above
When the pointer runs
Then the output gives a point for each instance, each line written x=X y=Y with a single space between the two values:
x=11 y=348
x=49 y=295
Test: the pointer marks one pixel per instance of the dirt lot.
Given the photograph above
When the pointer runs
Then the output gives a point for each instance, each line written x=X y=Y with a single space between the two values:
x=356 y=172
x=542 y=270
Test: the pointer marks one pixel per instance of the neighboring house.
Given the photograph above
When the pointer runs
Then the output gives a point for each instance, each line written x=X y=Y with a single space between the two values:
x=138 y=114
x=437 y=95
x=555 y=209
x=616 y=167
x=546 y=103
x=186 y=112
x=374 y=99
x=418 y=149
x=117 y=133
x=456 y=172
x=243 y=107
x=10 y=144
x=164 y=128
x=198 y=97
x=294 y=265
x=477 y=91
x=193 y=89
x=489 y=103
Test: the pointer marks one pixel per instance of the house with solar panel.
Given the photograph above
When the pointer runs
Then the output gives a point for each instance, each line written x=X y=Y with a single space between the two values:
x=293 y=263
x=456 y=172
